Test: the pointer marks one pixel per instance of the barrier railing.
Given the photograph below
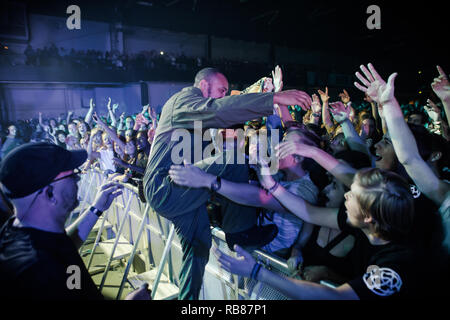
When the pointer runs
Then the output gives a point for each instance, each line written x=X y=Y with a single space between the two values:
x=136 y=231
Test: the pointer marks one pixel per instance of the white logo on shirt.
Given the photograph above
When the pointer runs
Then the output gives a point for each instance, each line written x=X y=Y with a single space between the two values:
x=415 y=191
x=382 y=281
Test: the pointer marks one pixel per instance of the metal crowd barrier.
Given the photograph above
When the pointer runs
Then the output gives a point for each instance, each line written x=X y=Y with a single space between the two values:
x=135 y=231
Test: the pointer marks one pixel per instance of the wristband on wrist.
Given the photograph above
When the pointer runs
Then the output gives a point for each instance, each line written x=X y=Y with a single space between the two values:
x=255 y=271
x=95 y=211
x=273 y=188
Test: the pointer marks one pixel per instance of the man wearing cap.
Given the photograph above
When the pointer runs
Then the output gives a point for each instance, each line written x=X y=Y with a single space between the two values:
x=38 y=257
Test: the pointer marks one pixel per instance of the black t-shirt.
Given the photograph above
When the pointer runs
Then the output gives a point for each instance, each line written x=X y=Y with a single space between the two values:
x=36 y=264
x=428 y=230
x=392 y=270
x=313 y=254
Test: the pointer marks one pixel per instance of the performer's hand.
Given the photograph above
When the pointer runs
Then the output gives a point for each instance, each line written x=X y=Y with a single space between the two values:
x=292 y=98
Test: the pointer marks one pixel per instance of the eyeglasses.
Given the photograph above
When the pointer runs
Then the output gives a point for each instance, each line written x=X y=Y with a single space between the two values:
x=75 y=174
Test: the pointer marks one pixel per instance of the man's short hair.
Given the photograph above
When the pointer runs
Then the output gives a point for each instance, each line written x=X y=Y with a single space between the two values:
x=205 y=74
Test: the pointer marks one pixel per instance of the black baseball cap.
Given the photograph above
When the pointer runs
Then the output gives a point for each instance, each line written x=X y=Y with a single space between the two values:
x=31 y=166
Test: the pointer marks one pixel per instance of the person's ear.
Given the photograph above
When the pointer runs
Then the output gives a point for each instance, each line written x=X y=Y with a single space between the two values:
x=368 y=218
x=50 y=195
x=435 y=156
x=204 y=86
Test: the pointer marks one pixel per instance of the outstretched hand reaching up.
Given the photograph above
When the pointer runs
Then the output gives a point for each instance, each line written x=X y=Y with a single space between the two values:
x=374 y=86
x=277 y=76
x=441 y=86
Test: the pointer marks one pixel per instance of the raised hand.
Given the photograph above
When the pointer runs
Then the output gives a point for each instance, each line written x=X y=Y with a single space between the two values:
x=374 y=86
x=241 y=265
x=324 y=95
x=339 y=111
x=287 y=148
x=109 y=104
x=433 y=111
x=315 y=105
x=114 y=107
x=292 y=98
x=277 y=77
x=91 y=103
x=145 y=108
x=345 y=97
x=441 y=86
x=190 y=176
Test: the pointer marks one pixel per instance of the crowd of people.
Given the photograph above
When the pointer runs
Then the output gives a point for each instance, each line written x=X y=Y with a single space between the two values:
x=147 y=63
x=357 y=186
x=117 y=143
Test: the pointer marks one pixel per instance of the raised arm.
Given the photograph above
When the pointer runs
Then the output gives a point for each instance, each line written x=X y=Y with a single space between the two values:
x=402 y=138
x=88 y=117
x=281 y=110
x=341 y=114
x=120 y=124
x=69 y=116
x=41 y=123
x=440 y=127
x=111 y=113
x=342 y=171
x=441 y=87
x=109 y=131
x=140 y=118
x=316 y=110
x=326 y=117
